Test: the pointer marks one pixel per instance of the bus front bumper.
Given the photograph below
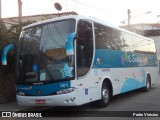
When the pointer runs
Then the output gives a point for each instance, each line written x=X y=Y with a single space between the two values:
x=70 y=99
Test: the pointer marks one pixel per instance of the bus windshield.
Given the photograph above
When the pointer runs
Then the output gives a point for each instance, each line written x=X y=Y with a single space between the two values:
x=41 y=55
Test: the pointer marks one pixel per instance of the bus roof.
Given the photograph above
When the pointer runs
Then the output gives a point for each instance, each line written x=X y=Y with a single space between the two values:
x=78 y=17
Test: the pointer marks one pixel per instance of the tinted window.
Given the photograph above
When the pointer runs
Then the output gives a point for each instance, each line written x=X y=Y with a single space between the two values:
x=41 y=53
x=127 y=42
x=143 y=45
x=107 y=38
x=110 y=38
x=84 y=47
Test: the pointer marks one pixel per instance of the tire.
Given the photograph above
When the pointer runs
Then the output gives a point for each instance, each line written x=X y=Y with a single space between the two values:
x=148 y=85
x=105 y=96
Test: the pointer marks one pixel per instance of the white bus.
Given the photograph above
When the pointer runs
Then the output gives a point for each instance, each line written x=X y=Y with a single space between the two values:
x=74 y=60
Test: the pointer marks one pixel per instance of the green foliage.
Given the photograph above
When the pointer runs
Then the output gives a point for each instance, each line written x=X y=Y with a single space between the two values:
x=10 y=35
x=3 y=34
x=7 y=76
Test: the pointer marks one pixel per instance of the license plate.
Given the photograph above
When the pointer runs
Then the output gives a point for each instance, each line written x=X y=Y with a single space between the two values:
x=40 y=101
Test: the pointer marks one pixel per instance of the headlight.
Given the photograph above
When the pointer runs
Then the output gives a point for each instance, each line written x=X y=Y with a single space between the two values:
x=65 y=91
x=21 y=93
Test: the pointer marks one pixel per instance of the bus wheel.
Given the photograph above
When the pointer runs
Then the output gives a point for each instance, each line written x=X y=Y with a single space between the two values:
x=148 y=85
x=105 y=96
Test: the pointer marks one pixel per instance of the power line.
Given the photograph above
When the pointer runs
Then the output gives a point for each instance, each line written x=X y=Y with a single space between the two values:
x=65 y=4
x=83 y=5
x=90 y=6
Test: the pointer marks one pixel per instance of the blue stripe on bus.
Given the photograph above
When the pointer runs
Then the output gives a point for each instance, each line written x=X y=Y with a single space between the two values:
x=105 y=58
x=42 y=90
x=131 y=84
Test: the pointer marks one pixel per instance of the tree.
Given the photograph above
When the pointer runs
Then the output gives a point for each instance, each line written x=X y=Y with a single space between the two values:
x=10 y=35
x=7 y=76
x=3 y=34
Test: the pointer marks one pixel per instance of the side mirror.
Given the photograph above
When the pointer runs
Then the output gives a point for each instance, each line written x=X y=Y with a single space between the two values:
x=70 y=44
x=4 y=53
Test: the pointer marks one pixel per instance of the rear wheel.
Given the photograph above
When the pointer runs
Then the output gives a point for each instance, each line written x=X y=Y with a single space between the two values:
x=105 y=96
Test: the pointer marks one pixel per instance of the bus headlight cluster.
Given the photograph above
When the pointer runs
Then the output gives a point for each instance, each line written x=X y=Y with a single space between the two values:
x=65 y=91
x=21 y=93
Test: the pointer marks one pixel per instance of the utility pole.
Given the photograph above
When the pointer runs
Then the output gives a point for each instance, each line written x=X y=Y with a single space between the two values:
x=0 y=10
x=19 y=11
x=129 y=19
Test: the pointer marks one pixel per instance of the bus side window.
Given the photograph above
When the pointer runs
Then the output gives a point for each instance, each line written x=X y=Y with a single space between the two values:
x=108 y=38
x=84 y=47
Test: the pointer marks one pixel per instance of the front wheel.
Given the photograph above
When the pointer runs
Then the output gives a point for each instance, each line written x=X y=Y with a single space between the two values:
x=105 y=96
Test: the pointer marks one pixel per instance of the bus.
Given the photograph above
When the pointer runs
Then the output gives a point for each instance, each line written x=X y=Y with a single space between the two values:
x=74 y=60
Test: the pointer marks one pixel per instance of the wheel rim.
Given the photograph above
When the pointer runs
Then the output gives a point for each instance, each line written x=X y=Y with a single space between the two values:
x=105 y=95
x=148 y=85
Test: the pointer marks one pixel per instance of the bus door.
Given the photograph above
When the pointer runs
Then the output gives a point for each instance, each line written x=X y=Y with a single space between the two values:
x=84 y=60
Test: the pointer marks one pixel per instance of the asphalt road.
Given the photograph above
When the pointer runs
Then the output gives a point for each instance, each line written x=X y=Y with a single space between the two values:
x=131 y=102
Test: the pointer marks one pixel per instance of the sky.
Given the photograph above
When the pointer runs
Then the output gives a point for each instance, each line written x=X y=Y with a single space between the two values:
x=113 y=11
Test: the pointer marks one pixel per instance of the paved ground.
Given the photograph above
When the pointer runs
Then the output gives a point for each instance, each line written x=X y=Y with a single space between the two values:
x=132 y=101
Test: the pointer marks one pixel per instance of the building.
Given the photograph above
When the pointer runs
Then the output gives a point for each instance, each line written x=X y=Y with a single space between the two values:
x=146 y=30
x=14 y=20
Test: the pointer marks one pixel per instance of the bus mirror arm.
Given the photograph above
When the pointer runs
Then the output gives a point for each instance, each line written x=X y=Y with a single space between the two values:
x=4 y=53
